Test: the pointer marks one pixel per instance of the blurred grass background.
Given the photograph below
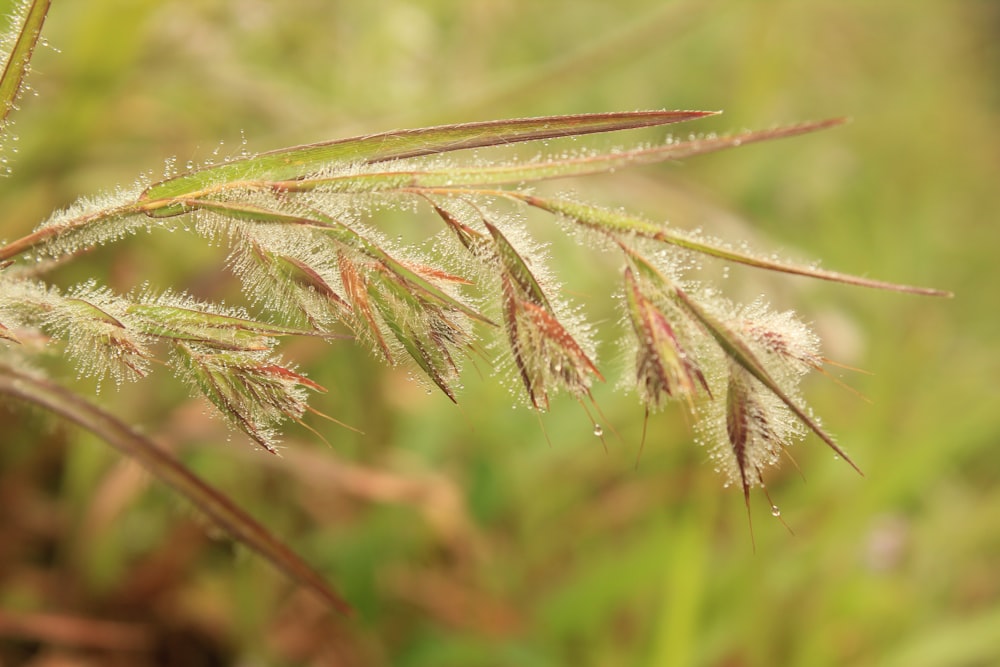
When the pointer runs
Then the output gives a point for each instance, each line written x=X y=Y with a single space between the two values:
x=480 y=535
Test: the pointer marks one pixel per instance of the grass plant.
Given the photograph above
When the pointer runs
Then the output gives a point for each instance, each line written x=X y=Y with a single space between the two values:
x=303 y=235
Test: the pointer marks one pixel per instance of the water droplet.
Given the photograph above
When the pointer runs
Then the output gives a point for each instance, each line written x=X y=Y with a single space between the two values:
x=598 y=431
x=775 y=510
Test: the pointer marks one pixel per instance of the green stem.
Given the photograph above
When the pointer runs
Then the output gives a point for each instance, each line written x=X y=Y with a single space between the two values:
x=20 y=56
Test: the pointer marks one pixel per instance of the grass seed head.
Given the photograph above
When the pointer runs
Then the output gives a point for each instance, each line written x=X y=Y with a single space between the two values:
x=664 y=368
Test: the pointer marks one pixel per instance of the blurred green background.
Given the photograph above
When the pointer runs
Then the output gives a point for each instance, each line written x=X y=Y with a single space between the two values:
x=479 y=534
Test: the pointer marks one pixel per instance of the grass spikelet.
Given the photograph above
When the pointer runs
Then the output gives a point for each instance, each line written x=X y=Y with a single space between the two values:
x=430 y=334
x=748 y=428
x=791 y=347
x=547 y=356
x=181 y=318
x=664 y=367
x=253 y=391
x=98 y=335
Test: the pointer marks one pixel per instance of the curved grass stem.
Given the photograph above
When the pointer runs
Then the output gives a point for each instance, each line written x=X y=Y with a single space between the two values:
x=223 y=511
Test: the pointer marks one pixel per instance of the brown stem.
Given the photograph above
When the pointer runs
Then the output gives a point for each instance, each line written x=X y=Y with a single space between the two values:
x=240 y=525
x=29 y=241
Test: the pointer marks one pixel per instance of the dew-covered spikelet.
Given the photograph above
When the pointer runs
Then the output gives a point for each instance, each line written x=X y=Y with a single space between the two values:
x=746 y=427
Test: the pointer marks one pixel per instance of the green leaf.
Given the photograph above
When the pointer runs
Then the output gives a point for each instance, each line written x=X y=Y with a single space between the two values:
x=547 y=168
x=293 y=163
x=16 y=65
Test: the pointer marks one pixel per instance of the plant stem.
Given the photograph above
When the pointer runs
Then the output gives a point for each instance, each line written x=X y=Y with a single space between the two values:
x=240 y=525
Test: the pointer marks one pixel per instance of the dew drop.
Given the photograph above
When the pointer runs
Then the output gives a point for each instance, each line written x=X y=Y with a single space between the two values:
x=598 y=431
x=775 y=510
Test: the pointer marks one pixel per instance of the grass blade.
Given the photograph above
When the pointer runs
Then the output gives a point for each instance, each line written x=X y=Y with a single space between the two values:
x=299 y=161
x=17 y=63
x=237 y=523
x=582 y=165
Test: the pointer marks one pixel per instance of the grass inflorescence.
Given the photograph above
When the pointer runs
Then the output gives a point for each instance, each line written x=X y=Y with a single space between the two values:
x=303 y=237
